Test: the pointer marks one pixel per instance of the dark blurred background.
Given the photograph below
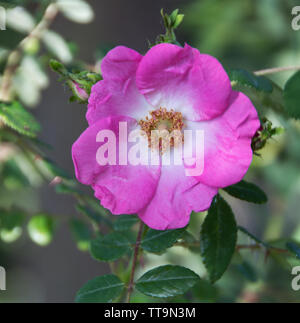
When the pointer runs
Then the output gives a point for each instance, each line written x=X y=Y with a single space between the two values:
x=241 y=33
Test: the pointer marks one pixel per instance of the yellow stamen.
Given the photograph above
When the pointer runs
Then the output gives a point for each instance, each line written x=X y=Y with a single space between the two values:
x=162 y=119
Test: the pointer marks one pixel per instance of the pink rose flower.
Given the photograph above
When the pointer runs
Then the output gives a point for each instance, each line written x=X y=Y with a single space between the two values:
x=190 y=90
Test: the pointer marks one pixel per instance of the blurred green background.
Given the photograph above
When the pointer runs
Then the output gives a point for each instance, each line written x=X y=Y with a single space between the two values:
x=248 y=34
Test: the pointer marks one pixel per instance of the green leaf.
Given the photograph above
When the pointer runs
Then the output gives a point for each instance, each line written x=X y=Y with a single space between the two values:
x=125 y=222
x=263 y=93
x=102 y=289
x=9 y=39
x=167 y=281
x=19 y=119
x=20 y=19
x=90 y=213
x=81 y=233
x=27 y=91
x=174 y=15
x=294 y=248
x=29 y=80
x=291 y=96
x=51 y=169
x=66 y=189
x=11 y=225
x=110 y=247
x=218 y=238
x=34 y=71
x=76 y=10
x=247 y=191
x=41 y=229
x=205 y=292
x=157 y=241
x=190 y=242
x=79 y=82
x=178 y=21
x=10 y=236
x=10 y=3
x=58 y=46
x=247 y=270
x=13 y=176
x=245 y=78
x=11 y=219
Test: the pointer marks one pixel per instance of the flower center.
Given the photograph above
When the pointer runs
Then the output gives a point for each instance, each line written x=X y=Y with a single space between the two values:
x=163 y=128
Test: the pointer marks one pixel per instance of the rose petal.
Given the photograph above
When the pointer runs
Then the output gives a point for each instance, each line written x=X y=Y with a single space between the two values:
x=227 y=142
x=121 y=188
x=177 y=195
x=117 y=93
x=182 y=79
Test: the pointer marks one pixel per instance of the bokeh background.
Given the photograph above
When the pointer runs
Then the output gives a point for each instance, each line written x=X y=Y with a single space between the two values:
x=248 y=34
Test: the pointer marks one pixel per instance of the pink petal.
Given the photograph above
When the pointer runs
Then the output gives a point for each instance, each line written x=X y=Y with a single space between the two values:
x=227 y=143
x=177 y=195
x=117 y=93
x=121 y=189
x=184 y=80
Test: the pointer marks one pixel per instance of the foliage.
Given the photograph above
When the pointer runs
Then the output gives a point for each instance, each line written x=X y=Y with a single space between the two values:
x=214 y=238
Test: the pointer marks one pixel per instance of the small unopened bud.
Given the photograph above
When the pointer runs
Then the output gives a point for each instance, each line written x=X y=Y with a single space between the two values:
x=79 y=92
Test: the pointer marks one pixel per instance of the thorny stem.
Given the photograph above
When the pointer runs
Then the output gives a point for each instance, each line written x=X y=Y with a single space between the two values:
x=134 y=261
x=15 y=57
x=276 y=70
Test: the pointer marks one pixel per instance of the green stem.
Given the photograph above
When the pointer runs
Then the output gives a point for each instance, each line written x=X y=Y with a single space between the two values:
x=134 y=261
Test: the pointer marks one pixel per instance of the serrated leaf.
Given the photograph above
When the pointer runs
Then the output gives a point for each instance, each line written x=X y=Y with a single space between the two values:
x=76 y=10
x=247 y=191
x=58 y=46
x=218 y=238
x=157 y=241
x=19 y=119
x=125 y=222
x=110 y=247
x=291 y=96
x=167 y=281
x=102 y=289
